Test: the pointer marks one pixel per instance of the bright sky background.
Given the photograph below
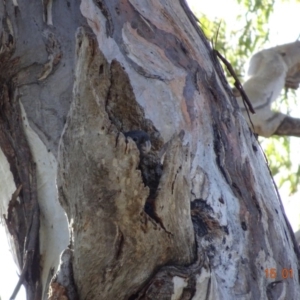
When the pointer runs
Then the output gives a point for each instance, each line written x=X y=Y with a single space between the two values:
x=284 y=28
x=284 y=22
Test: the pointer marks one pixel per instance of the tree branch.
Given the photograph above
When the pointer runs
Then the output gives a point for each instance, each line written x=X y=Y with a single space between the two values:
x=27 y=262
x=289 y=126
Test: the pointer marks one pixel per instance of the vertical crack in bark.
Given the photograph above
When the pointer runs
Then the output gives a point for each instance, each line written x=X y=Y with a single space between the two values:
x=219 y=149
x=105 y=11
x=173 y=183
x=151 y=170
x=22 y=218
x=126 y=114
x=62 y=285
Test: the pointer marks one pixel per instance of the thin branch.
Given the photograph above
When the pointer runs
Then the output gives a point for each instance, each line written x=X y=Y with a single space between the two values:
x=289 y=127
x=27 y=258
x=237 y=83
x=217 y=34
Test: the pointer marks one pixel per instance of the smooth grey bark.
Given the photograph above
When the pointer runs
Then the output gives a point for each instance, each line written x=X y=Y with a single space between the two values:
x=197 y=218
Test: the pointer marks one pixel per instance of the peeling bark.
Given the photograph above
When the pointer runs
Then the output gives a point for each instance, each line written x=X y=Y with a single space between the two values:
x=136 y=242
x=22 y=218
x=197 y=217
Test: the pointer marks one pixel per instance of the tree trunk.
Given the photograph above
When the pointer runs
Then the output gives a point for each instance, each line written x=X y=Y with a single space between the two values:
x=198 y=217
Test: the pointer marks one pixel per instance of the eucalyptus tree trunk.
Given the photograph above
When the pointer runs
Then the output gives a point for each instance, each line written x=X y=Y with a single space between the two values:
x=198 y=217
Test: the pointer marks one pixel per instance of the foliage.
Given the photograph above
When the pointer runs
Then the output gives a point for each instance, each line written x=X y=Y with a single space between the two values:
x=251 y=32
x=278 y=153
x=238 y=44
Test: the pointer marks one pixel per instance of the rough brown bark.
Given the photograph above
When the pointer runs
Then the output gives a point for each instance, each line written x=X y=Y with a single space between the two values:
x=196 y=218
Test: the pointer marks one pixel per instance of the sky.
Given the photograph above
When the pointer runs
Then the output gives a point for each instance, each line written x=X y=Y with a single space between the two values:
x=284 y=28
x=284 y=22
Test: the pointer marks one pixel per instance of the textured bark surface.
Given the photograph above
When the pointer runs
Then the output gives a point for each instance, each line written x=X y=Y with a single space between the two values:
x=196 y=218
x=111 y=196
x=22 y=218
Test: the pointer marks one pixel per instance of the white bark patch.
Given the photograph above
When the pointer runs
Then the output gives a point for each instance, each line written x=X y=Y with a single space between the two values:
x=205 y=286
x=97 y=22
x=7 y=188
x=179 y=285
x=149 y=56
x=48 y=11
x=7 y=184
x=200 y=184
x=54 y=232
x=15 y=3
